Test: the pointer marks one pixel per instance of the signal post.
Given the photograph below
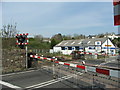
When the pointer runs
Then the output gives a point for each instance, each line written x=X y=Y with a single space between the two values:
x=22 y=41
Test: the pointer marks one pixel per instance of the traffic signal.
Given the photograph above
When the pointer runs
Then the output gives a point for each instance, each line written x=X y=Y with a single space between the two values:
x=21 y=40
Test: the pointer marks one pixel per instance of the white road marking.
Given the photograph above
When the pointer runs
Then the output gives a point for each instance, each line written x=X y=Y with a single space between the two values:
x=60 y=79
x=40 y=83
x=9 y=85
x=52 y=81
x=45 y=82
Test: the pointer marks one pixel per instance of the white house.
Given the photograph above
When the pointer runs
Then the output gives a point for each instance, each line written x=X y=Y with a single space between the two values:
x=87 y=45
x=113 y=36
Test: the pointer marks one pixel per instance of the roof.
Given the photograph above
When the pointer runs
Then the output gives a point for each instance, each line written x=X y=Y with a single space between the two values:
x=81 y=42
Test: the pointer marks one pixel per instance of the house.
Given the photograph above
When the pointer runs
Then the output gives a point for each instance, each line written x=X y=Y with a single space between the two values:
x=94 y=45
x=46 y=40
x=112 y=36
x=91 y=36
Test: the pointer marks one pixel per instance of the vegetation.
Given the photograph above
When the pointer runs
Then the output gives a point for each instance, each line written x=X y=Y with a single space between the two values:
x=9 y=32
x=35 y=43
x=116 y=42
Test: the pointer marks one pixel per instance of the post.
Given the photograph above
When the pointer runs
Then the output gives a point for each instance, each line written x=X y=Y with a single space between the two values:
x=54 y=68
x=26 y=57
x=107 y=46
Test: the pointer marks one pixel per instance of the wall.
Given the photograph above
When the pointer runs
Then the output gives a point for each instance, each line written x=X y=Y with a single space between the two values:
x=13 y=60
x=67 y=52
x=57 y=49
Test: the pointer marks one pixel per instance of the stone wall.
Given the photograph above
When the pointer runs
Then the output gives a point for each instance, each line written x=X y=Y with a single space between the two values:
x=13 y=60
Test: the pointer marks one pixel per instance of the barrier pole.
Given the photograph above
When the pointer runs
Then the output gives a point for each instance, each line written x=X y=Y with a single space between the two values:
x=26 y=57
x=54 y=76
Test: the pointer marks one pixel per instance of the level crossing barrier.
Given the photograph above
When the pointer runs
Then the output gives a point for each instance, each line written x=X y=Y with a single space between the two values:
x=108 y=72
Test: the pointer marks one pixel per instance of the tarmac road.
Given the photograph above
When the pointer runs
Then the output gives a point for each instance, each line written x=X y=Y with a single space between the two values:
x=43 y=78
x=110 y=62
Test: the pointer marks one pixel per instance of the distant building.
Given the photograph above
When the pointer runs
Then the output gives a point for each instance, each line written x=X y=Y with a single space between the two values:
x=46 y=40
x=91 y=36
x=113 y=36
x=87 y=45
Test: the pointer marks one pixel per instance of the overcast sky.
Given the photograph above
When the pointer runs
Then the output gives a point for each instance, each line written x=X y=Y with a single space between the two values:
x=49 y=18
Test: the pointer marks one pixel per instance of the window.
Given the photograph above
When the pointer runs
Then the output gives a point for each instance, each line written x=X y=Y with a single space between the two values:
x=76 y=48
x=63 y=48
x=98 y=43
x=66 y=48
x=80 y=48
x=91 y=47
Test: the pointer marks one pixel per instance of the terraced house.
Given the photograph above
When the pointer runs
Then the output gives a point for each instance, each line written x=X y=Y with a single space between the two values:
x=94 y=45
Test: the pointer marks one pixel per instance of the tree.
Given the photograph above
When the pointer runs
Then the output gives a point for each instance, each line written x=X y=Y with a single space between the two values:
x=35 y=44
x=67 y=37
x=57 y=37
x=116 y=42
x=53 y=43
x=39 y=37
x=9 y=31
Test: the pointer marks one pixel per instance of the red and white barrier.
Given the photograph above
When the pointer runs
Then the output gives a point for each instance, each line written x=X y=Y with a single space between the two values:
x=21 y=43
x=22 y=34
x=112 y=73
x=108 y=72
x=43 y=58
x=116 y=4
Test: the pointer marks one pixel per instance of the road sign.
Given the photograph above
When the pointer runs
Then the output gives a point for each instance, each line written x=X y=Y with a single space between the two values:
x=108 y=45
x=21 y=39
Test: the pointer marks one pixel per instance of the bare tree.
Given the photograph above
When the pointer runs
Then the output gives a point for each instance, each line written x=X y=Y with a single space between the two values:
x=9 y=31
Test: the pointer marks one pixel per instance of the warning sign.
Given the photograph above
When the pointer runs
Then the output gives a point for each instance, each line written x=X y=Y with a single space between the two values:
x=108 y=45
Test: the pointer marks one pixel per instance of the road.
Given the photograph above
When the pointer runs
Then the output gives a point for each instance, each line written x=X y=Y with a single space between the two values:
x=65 y=77
x=109 y=62
x=36 y=79
x=43 y=78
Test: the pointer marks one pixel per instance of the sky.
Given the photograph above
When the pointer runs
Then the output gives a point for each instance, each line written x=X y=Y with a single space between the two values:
x=67 y=18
